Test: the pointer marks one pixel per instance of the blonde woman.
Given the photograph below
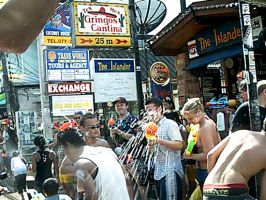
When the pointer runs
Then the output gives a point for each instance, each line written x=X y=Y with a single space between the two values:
x=208 y=135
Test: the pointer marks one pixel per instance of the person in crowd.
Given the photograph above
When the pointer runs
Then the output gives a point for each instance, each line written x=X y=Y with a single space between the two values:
x=90 y=126
x=55 y=144
x=10 y=143
x=10 y=137
x=241 y=120
x=77 y=117
x=19 y=169
x=100 y=180
x=42 y=161
x=169 y=110
x=66 y=168
x=168 y=170
x=23 y=22
x=51 y=190
x=122 y=130
x=233 y=162
x=208 y=135
x=242 y=88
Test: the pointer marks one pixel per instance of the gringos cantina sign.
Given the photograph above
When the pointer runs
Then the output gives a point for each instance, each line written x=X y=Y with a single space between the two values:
x=101 y=19
x=215 y=38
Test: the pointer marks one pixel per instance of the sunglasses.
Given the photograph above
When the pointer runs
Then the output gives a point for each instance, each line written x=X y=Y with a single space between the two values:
x=94 y=127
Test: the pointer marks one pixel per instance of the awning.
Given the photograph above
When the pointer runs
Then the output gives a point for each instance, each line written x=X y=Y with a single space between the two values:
x=257 y=2
x=214 y=56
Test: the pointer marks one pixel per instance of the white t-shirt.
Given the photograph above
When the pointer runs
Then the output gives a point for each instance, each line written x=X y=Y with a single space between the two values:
x=110 y=180
x=18 y=166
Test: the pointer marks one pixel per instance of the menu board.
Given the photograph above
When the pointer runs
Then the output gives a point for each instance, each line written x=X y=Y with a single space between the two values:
x=210 y=84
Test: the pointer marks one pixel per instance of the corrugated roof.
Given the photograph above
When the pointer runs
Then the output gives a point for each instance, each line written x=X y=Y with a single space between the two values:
x=147 y=58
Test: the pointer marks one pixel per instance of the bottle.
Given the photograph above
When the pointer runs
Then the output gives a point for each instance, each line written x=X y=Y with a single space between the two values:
x=220 y=121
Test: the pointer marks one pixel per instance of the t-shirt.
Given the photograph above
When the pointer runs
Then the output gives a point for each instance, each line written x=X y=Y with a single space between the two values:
x=58 y=197
x=18 y=166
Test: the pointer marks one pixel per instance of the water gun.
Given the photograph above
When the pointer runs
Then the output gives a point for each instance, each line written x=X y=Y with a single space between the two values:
x=151 y=131
x=111 y=122
x=221 y=103
x=192 y=138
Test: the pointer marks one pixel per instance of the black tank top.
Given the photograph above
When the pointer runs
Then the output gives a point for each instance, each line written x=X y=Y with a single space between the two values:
x=44 y=166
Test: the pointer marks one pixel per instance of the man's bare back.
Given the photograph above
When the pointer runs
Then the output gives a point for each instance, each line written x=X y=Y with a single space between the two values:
x=238 y=157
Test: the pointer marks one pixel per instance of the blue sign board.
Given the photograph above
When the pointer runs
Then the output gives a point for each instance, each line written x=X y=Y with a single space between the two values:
x=114 y=65
x=215 y=38
x=160 y=91
x=67 y=64
x=57 y=31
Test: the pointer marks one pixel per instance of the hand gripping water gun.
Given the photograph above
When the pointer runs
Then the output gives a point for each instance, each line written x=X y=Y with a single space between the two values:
x=221 y=102
x=111 y=122
x=192 y=138
x=151 y=131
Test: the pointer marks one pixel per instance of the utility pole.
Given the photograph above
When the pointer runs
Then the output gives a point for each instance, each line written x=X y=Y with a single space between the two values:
x=183 y=5
x=6 y=84
x=250 y=68
x=45 y=106
x=135 y=42
x=250 y=65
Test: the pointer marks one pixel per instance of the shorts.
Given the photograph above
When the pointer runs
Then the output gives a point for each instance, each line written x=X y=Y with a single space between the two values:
x=21 y=182
x=226 y=191
x=66 y=178
x=201 y=175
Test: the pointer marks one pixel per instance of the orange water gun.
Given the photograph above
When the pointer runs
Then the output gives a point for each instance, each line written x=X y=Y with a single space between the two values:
x=111 y=122
x=192 y=138
x=151 y=131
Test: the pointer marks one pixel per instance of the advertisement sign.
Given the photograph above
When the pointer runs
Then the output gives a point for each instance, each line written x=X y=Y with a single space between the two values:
x=107 y=23
x=114 y=78
x=160 y=73
x=57 y=31
x=67 y=65
x=160 y=91
x=68 y=105
x=71 y=88
x=215 y=38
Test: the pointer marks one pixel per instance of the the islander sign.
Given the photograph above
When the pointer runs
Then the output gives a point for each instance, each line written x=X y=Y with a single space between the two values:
x=100 y=24
x=67 y=65
x=114 y=78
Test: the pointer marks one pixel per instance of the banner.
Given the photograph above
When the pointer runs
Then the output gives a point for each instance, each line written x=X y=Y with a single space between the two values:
x=67 y=65
x=74 y=88
x=100 y=24
x=68 y=105
x=114 y=78
x=57 y=31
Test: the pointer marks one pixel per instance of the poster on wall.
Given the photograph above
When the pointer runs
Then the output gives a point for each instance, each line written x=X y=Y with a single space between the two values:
x=114 y=78
x=100 y=24
x=57 y=31
x=67 y=105
x=26 y=127
x=67 y=64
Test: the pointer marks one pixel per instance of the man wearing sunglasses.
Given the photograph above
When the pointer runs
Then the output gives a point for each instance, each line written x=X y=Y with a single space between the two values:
x=91 y=127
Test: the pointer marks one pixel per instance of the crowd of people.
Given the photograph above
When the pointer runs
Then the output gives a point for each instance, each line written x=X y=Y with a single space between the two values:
x=93 y=168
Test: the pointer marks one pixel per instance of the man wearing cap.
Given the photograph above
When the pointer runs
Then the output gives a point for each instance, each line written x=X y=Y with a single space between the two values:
x=123 y=128
x=168 y=171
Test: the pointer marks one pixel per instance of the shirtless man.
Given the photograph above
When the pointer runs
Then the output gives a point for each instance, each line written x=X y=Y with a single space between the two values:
x=22 y=21
x=97 y=168
x=233 y=162
x=91 y=127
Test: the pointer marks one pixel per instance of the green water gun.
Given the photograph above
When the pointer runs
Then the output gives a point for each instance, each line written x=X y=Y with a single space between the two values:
x=192 y=138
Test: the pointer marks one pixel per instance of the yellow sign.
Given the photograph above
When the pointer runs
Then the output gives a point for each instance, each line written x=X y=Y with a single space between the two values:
x=55 y=40
x=101 y=24
x=102 y=41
